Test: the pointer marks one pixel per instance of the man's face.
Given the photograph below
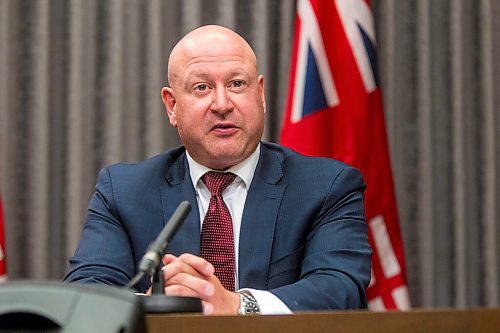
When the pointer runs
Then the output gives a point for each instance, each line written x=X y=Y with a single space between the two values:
x=217 y=102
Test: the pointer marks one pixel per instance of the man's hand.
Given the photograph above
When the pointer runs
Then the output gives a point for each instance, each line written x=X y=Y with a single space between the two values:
x=189 y=275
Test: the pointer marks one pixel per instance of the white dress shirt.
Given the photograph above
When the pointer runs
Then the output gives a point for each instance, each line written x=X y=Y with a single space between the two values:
x=235 y=196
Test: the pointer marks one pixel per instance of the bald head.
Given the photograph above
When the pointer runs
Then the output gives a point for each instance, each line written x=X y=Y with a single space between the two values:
x=207 y=41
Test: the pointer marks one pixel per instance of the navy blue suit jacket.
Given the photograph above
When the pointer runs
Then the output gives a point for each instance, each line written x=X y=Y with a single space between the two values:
x=303 y=232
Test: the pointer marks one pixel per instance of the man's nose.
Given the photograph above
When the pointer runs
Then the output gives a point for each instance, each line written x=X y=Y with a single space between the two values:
x=221 y=101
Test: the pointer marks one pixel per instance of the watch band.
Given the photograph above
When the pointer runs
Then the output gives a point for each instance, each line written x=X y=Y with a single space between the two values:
x=248 y=303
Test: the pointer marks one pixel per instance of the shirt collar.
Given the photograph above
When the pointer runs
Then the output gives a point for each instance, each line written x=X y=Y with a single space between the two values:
x=244 y=170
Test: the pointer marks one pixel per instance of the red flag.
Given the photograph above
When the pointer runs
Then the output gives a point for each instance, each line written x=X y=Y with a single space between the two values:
x=334 y=109
x=3 y=263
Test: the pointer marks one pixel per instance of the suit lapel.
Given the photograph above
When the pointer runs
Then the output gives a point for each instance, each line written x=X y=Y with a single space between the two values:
x=259 y=220
x=179 y=187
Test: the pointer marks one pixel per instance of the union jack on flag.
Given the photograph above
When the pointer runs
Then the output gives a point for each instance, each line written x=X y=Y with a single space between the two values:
x=334 y=109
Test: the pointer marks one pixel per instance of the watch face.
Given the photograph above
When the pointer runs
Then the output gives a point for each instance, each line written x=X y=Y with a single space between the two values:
x=248 y=304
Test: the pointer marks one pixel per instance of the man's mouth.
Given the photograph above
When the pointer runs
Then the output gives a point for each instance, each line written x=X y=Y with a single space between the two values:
x=224 y=128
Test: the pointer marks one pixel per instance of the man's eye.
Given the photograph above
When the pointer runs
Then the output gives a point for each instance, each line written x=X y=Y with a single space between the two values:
x=237 y=83
x=201 y=87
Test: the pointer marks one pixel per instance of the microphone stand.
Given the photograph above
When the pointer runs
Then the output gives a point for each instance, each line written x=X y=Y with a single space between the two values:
x=157 y=285
x=158 y=302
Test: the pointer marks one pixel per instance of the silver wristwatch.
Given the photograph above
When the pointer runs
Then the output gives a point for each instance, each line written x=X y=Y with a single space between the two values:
x=248 y=303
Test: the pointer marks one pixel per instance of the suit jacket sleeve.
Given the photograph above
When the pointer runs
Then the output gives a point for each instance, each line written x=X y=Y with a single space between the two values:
x=335 y=258
x=104 y=254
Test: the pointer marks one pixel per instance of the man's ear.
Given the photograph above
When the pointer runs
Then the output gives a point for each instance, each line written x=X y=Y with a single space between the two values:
x=168 y=98
x=262 y=92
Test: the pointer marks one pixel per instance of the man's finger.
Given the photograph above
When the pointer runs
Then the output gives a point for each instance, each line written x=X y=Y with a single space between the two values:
x=177 y=290
x=208 y=308
x=168 y=258
x=198 y=263
x=177 y=267
x=202 y=287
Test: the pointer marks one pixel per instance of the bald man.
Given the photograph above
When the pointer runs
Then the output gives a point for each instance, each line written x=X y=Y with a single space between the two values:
x=298 y=238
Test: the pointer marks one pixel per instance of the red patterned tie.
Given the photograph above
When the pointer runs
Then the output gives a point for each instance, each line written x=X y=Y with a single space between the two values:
x=217 y=242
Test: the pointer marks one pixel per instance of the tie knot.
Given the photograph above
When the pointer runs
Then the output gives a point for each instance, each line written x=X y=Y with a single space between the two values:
x=217 y=182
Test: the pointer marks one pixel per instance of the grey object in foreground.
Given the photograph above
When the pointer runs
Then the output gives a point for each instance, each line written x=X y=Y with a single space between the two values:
x=59 y=307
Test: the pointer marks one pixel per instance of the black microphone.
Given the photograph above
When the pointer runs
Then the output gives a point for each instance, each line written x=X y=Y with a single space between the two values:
x=158 y=302
x=152 y=257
